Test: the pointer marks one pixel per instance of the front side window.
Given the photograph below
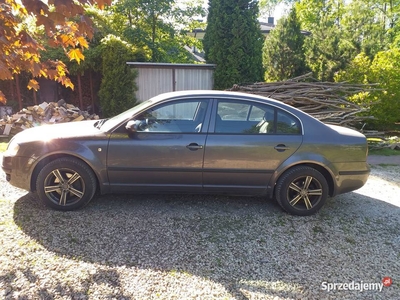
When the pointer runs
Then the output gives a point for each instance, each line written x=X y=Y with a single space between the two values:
x=183 y=116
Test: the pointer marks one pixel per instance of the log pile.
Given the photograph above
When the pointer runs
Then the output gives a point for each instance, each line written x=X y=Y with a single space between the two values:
x=44 y=113
x=326 y=101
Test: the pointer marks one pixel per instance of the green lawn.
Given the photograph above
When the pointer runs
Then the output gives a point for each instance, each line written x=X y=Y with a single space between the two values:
x=3 y=146
x=3 y=143
x=382 y=146
x=384 y=151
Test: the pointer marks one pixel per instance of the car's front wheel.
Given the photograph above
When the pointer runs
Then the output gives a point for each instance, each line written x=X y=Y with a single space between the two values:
x=301 y=191
x=66 y=184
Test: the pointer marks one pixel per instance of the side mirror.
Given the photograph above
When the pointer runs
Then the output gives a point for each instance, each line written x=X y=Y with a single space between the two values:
x=132 y=126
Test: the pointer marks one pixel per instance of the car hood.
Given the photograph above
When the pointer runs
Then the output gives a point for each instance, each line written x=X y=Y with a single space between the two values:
x=59 y=131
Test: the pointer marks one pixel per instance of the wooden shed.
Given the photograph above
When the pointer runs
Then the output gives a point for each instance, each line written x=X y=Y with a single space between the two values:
x=157 y=78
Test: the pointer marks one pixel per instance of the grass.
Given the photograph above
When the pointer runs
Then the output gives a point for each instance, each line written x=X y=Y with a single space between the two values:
x=381 y=146
x=384 y=151
x=3 y=143
x=3 y=146
x=387 y=165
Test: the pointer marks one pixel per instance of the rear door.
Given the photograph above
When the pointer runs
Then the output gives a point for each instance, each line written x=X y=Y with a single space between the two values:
x=247 y=141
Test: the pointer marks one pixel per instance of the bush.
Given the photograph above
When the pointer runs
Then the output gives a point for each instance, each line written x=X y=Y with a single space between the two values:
x=384 y=100
x=118 y=87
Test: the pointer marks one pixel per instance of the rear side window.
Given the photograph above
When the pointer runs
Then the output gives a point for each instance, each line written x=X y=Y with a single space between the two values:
x=287 y=124
x=233 y=111
x=244 y=117
x=247 y=117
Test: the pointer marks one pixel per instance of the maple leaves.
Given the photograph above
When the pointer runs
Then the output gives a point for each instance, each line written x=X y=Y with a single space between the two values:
x=64 y=25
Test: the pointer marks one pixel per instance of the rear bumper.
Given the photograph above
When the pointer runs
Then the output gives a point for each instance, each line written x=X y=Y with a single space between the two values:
x=348 y=181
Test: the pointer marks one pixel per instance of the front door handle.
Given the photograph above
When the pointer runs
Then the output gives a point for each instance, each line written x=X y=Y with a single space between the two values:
x=194 y=146
x=281 y=147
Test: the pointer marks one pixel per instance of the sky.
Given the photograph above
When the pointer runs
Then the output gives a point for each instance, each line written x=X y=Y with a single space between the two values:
x=280 y=11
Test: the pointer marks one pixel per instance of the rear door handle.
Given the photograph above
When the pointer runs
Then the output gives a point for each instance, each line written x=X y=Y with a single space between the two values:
x=281 y=147
x=194 y=146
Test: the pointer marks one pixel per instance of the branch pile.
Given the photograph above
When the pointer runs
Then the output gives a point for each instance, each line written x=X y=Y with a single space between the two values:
x=326 y=101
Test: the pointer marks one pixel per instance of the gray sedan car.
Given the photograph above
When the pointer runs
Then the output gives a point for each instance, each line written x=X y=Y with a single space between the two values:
x=192 y=142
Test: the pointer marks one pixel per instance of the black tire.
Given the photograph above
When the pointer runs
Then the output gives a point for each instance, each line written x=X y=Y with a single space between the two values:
x=301 y=191
x=66 y=184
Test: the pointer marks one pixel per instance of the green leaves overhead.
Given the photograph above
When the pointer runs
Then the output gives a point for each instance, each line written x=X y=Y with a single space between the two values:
x=341 y=30
x=159 y=25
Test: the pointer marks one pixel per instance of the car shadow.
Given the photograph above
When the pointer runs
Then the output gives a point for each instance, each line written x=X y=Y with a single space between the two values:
x=247 y=245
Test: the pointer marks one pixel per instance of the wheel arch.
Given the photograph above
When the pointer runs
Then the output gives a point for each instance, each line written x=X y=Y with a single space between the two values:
x=323 y=170
x=45 y=160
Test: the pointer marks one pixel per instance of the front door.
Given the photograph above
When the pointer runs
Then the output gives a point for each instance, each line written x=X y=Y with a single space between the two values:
x=166 y=151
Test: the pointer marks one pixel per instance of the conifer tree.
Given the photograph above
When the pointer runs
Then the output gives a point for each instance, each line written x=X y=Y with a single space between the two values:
x=233 y=41
x=283 y=54
x=118 y=87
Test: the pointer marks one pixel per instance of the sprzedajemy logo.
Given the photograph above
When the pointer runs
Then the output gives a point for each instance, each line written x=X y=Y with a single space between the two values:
x=356 y=285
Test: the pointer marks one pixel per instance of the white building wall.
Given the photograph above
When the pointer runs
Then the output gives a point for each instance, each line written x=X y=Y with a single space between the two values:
x=156 y=78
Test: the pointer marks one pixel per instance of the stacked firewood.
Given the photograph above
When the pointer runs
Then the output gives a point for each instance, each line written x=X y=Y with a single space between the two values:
x=44 y=113
x=326 y=101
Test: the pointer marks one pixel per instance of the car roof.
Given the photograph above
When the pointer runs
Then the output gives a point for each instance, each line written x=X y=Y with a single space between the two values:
x=210 y=93
x=226 y=94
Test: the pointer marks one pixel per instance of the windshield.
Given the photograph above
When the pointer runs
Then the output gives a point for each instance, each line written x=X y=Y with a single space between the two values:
x=108 y=124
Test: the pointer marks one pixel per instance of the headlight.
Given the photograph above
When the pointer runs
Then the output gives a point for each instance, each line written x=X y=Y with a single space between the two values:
x=12 y=148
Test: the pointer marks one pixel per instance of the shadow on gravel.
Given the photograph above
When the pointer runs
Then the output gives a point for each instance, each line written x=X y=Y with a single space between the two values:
x=245 y=244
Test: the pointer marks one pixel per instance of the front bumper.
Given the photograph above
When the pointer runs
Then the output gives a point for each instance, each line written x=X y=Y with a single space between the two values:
x=18 y=171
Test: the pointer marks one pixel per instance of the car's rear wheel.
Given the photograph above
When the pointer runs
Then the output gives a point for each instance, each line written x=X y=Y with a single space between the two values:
x=301 y=191
x=66 y=184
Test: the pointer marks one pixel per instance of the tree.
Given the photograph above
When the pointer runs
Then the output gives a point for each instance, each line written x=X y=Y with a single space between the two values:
x=385 y=71
x=384 y=99
x=267 y=7
x=159 y=25
x=117 y=89
x=283 y=54
x=326 y=50
x=64 y=25
x=370 y=25
x=343 y=29
x=233 y=40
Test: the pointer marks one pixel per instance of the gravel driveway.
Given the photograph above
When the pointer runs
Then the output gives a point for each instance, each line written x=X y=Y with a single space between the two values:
x=202 y=247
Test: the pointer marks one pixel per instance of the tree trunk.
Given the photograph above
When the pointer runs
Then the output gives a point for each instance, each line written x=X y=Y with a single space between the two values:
x=12 y=89
x=91 y=89
x=34 y=97
x=153 y=37
x=18 y=91
x=80 y=91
